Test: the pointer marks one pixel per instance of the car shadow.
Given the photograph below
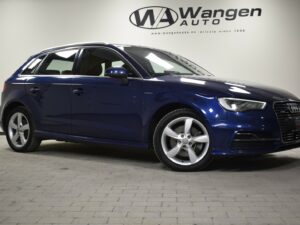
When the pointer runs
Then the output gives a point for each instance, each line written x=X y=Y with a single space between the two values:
x=96 y=152
x=272 y=161
x=146 y=158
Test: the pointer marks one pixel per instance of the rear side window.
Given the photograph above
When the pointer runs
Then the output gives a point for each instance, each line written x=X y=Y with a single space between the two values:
x=59 y=63
x=32 y=65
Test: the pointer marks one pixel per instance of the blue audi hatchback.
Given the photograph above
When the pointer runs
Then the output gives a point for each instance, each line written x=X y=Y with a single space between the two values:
x=145 y=98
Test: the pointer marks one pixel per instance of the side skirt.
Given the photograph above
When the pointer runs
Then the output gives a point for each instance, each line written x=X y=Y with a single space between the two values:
x=45 y=135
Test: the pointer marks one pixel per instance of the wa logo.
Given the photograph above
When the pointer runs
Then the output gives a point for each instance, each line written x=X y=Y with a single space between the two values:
x=153 y=17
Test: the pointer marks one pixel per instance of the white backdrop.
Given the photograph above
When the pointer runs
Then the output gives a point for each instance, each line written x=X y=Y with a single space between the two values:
x=268 y=52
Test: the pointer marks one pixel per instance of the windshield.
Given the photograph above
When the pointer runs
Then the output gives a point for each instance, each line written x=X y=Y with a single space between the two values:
x=159 y=63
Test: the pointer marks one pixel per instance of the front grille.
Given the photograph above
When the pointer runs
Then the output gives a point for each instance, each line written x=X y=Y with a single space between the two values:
x=288 y=115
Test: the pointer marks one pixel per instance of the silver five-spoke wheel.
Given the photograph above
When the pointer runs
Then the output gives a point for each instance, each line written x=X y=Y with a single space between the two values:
x=18 y=129
x=185 y=141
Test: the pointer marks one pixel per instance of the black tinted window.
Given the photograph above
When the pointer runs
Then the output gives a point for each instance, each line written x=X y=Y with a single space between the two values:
x=32 y=65
x=94 y=62
x=59 y=63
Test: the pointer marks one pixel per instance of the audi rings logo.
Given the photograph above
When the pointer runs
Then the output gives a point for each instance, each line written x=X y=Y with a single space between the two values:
x=153 y=17
x=294 y=108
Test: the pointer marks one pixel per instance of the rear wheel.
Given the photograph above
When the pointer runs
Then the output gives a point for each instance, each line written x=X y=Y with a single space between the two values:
x=182 y=142
x=20 y=131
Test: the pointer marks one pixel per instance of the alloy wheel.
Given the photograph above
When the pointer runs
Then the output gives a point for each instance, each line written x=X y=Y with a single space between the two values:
x=185 y=141
x=18 y=129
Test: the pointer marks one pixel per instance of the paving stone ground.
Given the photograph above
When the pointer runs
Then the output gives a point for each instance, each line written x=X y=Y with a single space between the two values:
x=65 y=183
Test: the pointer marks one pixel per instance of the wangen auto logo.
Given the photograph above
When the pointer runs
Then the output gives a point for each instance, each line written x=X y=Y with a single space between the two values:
x=153 y=17
x=157 y=17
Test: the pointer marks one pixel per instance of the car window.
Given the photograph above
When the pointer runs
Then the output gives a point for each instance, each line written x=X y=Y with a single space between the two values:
x=59 y=63
x=161 y=65
x=32 y=65
x=117 y=64
x=94 y=62
x=158 y=62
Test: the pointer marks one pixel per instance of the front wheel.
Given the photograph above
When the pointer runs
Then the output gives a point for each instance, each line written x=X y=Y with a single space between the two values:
x=20 y=131
x=182 y=142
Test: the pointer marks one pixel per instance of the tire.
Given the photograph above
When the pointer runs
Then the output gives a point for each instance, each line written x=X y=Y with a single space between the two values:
x=19 y=131
x=182 y=142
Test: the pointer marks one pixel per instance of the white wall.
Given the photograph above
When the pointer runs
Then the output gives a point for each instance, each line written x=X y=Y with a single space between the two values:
x=268 y=52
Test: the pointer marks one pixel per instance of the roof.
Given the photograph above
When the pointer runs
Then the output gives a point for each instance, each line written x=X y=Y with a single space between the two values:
x=75 y=45
x=82 y=44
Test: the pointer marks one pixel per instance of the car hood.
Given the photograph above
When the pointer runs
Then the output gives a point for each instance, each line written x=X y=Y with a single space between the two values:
x=232 y=88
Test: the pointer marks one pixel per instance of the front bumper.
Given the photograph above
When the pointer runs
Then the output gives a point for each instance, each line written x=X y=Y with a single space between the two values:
x=248 y=133
x=246 y=143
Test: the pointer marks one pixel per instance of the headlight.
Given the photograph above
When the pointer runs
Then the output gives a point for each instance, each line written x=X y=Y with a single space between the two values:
x=239 y=105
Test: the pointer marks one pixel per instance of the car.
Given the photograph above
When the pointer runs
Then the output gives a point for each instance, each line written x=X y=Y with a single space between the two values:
x=145 y=98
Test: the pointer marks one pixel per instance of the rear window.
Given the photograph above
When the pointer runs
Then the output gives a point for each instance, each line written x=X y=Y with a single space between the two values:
x=57 y=63
x=32 y=65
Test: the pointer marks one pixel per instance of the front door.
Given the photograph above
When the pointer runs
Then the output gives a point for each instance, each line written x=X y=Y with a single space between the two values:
x=104 y=107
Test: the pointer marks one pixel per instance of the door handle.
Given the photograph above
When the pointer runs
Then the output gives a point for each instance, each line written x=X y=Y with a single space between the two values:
x=78 y=91
x=34 y=90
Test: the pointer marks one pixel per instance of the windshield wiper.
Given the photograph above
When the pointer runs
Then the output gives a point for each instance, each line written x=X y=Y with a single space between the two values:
x=169 y=72
x=176 y=72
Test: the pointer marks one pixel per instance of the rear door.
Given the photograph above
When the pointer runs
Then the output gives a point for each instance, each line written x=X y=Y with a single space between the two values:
x=49 y=89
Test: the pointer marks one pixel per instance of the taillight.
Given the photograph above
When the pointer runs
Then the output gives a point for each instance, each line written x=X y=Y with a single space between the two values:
x=4 y=86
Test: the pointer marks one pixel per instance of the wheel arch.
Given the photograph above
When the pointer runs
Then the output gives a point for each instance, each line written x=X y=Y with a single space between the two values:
x=10 y=106
x=165 y=109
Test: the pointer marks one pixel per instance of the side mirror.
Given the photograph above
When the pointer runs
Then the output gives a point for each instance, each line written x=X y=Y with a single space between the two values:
x=117 y=72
